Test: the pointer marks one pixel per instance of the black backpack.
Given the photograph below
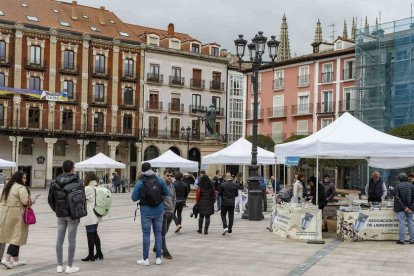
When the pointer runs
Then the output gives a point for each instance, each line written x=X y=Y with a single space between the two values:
x=76 y=200
x=151 y=194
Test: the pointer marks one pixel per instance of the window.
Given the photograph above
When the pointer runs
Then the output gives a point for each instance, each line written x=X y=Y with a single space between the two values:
x=236 y=85
x=216 y=102
x=303 y=79
x=112 y=22
x=128 y=96
x=279 y=80
x=154 y=101
x=2 y=50
x=2 y=80
x=64 y=23
x=195 y=48
x=195 y=126
x=176 y=72
x=277 y=129
x=32 y=18
x=327 y=102
x=24 y=5
x=155 y=71
x=216 y=84
x=278 y=108
x=325 y=122
x=175 y=44
x=175 y=104
x=99 y=93
x=218 y=128
x=67 y=119
x=1 y=13
x=302 y=127
x=90 y=149
x=175 y=128
x=129 y=67
x=127 y=123
x=327 y=72
x=35 y=55
x=196 y=101
x=349 y=71
x=68 y=88
x=100 y=64
x=215 y=51
x=124 y=34
x=34 y=83
x=26 y=146
x=98 y=121
x=85 y=16
x=34 y=117
x=59 y=148
x=153 y=41
x=153 y=126
x=55 y=11
x=303 y=104
x=349 y=99
x=95 y=29
x=1 y=114
x=68 y=60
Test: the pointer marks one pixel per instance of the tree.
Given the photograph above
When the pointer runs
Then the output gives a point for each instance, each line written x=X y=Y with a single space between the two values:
x=263 y=141
x=404 y=131
x=294 y=138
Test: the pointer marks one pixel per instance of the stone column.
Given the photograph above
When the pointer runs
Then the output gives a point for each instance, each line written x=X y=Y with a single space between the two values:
x=139 y=155
x=85 y=69
x=51 y=115
x=115 y=76
x=15 y=148
x=52 y=60
x=16 y=110
x=82 y=149
x=112 y=152
x=18 y=57
x=49 y=159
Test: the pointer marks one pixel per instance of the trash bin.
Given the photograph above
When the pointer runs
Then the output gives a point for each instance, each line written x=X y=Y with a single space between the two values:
x=255 y=205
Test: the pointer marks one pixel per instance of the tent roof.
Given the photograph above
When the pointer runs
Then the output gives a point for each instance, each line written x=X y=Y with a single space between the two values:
x=349 y=138
x=99 y=161
x=239 y=153
x=171 y=160
x=7 y=164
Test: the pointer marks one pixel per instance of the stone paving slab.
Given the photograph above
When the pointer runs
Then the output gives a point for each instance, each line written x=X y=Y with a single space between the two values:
x=252 y=250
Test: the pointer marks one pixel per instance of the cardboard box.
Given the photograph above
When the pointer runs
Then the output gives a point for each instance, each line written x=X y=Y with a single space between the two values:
x=331 y=225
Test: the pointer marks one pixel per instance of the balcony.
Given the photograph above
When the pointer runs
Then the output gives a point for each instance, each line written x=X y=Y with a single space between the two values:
x=67 y=127
x=97 y=100
x=249 y=114
x=175 y=108
x=155 y=133
x=153 y=106
x=349 y=74
x=100 y=72
x=3 y=61
x=327 y=77
x=276 y=112
x=128 y=75
x=194 y=109
x=69 y=68
x=278 y=84
x=326 y=107
x=155 y=78
x=348 y=105
x=35 y=65
x=177 y=81
x=303 y=80
x=128 y=102
x=197 y=84
x=302 y=109
x=217 y=86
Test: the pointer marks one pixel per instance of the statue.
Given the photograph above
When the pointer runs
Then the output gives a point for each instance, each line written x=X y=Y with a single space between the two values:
x=211 y=119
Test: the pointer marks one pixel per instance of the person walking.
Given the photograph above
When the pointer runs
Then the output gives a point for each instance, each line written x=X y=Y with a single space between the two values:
x=217 y=180
x=330 y=190
x=205 y=198
x=298 y=189
x=376 y=190
x=263 y=187
x=91 y=182
x=239 y=198
x=116 y=181
x=58 y=202
x=321 y=193
x=14 y=198
x=229 y=190
x=404 y=206
x=150 y=190
x=181 y=192
x=169 y=207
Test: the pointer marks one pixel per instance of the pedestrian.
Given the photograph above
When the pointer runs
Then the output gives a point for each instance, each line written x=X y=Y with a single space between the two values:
x=376 y=190
x=330 y=190
x=321 y=193
x=58 y=201
x=149 y=190
x=298 y=189
x=263 y=187
x=229 y=190
x=239 y=198
x=116 y=181
x=91 y=221
x=217 y=180
x=205 y=198
x=14 y=198
x=169 y=207
x=181 y=191
x=197 y=181
x=404 y=206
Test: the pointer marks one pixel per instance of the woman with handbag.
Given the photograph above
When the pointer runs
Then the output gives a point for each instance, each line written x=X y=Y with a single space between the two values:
x=14 y=201
x=91 y=220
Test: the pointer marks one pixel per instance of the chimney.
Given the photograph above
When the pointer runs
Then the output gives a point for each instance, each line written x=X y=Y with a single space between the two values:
x=101 y=15
x=74 y=7
x=171 y=29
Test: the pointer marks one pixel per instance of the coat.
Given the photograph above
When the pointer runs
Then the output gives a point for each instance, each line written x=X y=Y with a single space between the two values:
x=13 y=230
x=90 y=218
x=205 y=200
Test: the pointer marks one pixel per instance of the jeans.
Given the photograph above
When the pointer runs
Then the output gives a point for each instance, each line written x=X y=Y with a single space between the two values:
x=13 y=250
x=72 y=226
x=91 y=228
x=166 y=221
x=218 y=201
x=264 y=197
x=178 y=210
x=156 y=222
x=224 y=211
x=200 y=222
x=2 y=248
x=117 y=188
x=401 y=217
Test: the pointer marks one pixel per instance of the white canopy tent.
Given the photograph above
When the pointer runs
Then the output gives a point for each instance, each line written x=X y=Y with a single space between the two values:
x=99 y=161
x=239 y=153
x=7 y=164
x=171 y=160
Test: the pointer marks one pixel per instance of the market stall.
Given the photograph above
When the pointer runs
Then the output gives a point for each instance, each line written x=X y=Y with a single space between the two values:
x=171 y=160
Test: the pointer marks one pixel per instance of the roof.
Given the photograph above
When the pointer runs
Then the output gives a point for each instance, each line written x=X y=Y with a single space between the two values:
x=50 y=13
x=142 y=30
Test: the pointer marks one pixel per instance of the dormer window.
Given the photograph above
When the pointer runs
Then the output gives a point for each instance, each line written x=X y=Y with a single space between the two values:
x=153 y=40
x=64 y=24
x=175 y=44
x=123 y=33
x=111 y=21
x=93 y=28
x=215 y=51
x=55 y=11
x=32 y=18
x=1 y=13
x=195 y=48
x=24 y=5
x=85 y=16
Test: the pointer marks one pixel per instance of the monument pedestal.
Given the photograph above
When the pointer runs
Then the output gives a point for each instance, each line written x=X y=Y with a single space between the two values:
x=208 y=146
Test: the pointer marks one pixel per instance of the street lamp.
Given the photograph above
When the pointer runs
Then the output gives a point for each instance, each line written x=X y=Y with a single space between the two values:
x=188 y=132
x=256 y=51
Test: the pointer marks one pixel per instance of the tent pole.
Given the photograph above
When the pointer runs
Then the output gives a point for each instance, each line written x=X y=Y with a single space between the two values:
x=316 y=241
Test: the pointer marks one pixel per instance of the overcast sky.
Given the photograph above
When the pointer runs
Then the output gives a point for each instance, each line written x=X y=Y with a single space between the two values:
x=222 y=20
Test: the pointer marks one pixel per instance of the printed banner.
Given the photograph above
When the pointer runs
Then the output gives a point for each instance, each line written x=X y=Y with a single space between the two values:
x=380 y=224
x=38 y=94
x=297 y=222
x=54 y=96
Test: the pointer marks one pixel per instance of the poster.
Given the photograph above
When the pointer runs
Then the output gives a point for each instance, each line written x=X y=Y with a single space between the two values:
x=297 y=222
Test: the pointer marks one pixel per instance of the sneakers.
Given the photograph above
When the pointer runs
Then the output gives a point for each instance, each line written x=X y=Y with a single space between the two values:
x=158 y=261
x=7 y=264
x=59 y=269
x=225 y=231
x=71 y=269
x=144 y=262
x=399 y=242
x=199 y=231
x=19 y=263
x=178 y=229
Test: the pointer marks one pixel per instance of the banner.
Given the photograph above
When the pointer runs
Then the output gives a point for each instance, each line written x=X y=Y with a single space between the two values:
x=38 y=94
x=54 y=96
x=297 y=222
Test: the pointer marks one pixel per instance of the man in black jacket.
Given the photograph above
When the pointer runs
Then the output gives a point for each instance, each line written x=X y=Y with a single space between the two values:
x=228 y=191
x=181 y=192
x=321 y=193
x=404 y=206
x=58 y=201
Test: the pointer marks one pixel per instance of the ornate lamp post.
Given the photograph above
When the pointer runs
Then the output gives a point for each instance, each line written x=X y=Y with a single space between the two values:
x=188 y=132
x=256 y=51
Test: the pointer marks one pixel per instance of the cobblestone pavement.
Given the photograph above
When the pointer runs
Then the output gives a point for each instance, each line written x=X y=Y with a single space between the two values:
x=251 y=250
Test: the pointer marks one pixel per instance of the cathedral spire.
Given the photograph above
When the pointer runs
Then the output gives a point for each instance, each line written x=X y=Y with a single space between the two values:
x=353 y=32
x=376 y=23
x=318 y=33
x=284 y=48
x=366 y=27
x=345 y=32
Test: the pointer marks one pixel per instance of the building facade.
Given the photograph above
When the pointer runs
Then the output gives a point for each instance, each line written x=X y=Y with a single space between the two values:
x=236 y=104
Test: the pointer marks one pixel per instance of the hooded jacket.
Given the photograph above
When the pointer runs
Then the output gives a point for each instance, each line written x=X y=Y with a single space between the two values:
x=58 y=193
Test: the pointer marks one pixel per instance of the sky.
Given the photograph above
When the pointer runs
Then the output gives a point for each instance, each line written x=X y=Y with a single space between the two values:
x=222 y=20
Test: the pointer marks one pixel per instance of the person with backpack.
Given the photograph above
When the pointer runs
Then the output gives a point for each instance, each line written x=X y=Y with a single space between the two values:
x=92 y=191
x=150 y=190
x=68 y=200
x=181 y=191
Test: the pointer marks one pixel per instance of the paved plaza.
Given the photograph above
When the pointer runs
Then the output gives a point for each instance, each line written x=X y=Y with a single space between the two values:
x=252 y=250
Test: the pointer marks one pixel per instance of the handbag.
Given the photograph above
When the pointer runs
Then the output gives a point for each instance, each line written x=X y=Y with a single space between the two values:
x=29 y=216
